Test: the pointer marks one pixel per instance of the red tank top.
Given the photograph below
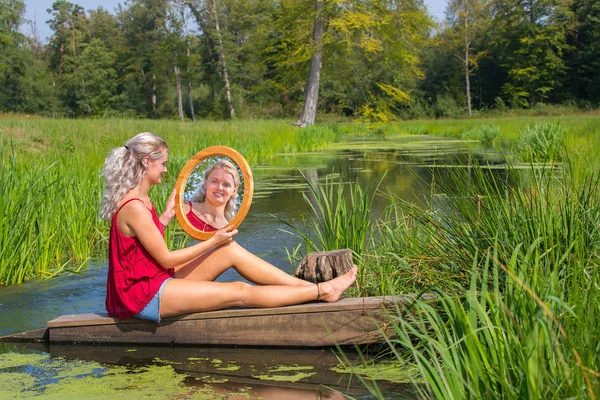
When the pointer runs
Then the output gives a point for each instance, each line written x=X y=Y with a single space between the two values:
x=134 y=277
x=199 y=223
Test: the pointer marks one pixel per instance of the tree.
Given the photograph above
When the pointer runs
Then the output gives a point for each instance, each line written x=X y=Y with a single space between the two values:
x=209 y=12
x=314 y=75
x=467 y=21
x=583 y=58
x=531 y=37
x=24 y=83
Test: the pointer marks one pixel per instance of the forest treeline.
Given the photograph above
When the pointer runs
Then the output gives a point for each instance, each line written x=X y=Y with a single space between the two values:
x=377 y=59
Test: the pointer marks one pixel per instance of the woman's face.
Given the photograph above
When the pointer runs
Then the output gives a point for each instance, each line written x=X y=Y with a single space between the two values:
x=220 y=186
x=156 y=168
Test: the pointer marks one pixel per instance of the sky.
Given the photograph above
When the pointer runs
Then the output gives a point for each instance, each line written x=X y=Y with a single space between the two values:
x=36 y=10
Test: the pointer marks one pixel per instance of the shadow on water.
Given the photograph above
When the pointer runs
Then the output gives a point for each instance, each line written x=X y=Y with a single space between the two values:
x=410 y=167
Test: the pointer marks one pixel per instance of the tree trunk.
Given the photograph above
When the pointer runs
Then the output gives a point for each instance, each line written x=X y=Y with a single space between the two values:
x=154 y=94
x=314 y=76
x=325 y=265
x=467 y=44
x=179 y=98
x=223 y=63
x=189 y=88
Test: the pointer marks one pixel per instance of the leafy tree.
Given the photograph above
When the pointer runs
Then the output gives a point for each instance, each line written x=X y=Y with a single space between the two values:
x=531 y=36
x=24 y=83
x=467 y=21
x=92 y=85
x=584 y=58
x=145 y=86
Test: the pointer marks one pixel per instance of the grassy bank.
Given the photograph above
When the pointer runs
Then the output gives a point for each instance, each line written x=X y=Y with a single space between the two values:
x=515 y=266
x=50 y=183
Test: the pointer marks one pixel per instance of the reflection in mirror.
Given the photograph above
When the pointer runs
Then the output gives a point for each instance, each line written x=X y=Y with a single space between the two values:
x=214 y=190
x=213 y=193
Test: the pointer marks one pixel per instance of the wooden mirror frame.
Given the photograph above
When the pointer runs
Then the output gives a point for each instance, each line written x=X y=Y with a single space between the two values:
x=188 y=168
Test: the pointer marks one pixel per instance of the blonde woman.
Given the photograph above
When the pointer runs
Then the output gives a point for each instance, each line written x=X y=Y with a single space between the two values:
x=214 y=204
x=149 y=281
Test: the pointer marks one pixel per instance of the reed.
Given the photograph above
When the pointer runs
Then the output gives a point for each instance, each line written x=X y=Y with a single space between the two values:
x=341 y=218
x=499 y=340
x=525 y=256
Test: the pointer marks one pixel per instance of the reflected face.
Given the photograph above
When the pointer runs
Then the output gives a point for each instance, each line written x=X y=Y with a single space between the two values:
x=220 y=186
x=217 y=184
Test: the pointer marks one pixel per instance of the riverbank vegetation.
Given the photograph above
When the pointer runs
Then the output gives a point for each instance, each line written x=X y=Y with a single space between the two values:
x=512 y=257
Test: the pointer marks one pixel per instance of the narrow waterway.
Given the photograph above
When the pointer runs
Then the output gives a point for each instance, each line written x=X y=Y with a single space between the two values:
x=61 y=370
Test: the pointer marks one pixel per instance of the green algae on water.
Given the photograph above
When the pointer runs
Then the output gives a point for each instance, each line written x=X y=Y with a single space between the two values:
x=59 y=378
x=286 y=368
x=392 y=372
x=284 y=378
x=16 y=385
x=154 y=381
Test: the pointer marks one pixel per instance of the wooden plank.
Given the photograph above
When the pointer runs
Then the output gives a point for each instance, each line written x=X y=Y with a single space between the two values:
x=308 y=329
x=348 y=304
x=38 y=335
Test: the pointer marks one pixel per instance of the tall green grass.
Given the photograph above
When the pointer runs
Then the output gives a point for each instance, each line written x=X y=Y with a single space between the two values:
x=341 y=218
x=51 y=188
x=499 y=340
x=516 y=269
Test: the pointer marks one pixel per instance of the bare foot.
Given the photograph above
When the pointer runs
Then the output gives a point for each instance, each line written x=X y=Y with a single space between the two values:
x=332 y=290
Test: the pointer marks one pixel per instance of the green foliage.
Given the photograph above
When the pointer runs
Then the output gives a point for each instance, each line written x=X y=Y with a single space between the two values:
x=541 y=142
x=487 y=134
x=499 y=340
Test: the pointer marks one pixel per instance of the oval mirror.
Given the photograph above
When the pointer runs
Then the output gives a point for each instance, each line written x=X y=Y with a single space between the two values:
x=213 y=190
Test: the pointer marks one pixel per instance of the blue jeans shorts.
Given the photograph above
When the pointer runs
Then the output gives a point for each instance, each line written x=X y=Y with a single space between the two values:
x=152 y=310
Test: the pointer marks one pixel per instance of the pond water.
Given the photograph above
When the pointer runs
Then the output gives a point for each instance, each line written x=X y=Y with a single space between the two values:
x=166 y=372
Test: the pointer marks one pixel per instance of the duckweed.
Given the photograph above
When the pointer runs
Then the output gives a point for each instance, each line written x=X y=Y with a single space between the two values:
x=284 y=378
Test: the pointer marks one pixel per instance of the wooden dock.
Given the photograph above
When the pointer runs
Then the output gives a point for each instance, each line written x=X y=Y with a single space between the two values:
x=348 y=321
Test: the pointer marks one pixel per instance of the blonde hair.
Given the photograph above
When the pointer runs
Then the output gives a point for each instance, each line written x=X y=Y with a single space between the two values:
x=124 y=168
x=200 y=195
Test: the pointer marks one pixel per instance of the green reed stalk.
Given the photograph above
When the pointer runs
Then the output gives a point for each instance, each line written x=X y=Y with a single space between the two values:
x=340 y=218
x=498 y=341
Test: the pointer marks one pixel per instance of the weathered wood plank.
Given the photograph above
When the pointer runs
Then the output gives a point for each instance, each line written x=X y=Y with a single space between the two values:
x=348 y=304
x=325 y=329
x=349 y=321
x=38 y=335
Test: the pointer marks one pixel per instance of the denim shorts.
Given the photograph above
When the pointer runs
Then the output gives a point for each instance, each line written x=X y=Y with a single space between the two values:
x=152 y=310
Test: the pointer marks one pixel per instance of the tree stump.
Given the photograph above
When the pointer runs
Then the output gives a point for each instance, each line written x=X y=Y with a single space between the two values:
x=324 y=265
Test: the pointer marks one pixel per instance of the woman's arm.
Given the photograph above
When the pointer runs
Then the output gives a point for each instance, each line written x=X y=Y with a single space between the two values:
x=138 y=220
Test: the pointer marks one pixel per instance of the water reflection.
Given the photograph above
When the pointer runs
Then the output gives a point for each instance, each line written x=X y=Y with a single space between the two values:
x=230 y=372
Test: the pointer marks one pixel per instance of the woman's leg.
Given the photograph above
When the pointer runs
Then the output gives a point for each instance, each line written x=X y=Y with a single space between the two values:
x=182 y=296
x=212 y=264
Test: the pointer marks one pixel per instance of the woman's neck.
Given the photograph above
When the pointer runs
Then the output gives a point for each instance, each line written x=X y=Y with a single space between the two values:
x=214 y=210
x=140 y=192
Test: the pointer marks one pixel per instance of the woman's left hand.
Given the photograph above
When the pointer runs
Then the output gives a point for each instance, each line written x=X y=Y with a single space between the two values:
x=169 y=212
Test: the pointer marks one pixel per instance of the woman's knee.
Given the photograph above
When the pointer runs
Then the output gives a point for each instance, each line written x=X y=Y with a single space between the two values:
x=242 y=291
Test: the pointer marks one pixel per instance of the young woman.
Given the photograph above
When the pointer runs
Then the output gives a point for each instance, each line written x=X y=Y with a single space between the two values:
x=147 y=280
x=213 y=205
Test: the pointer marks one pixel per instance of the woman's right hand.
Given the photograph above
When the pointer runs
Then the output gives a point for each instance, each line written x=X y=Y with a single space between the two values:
x=224 y=236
